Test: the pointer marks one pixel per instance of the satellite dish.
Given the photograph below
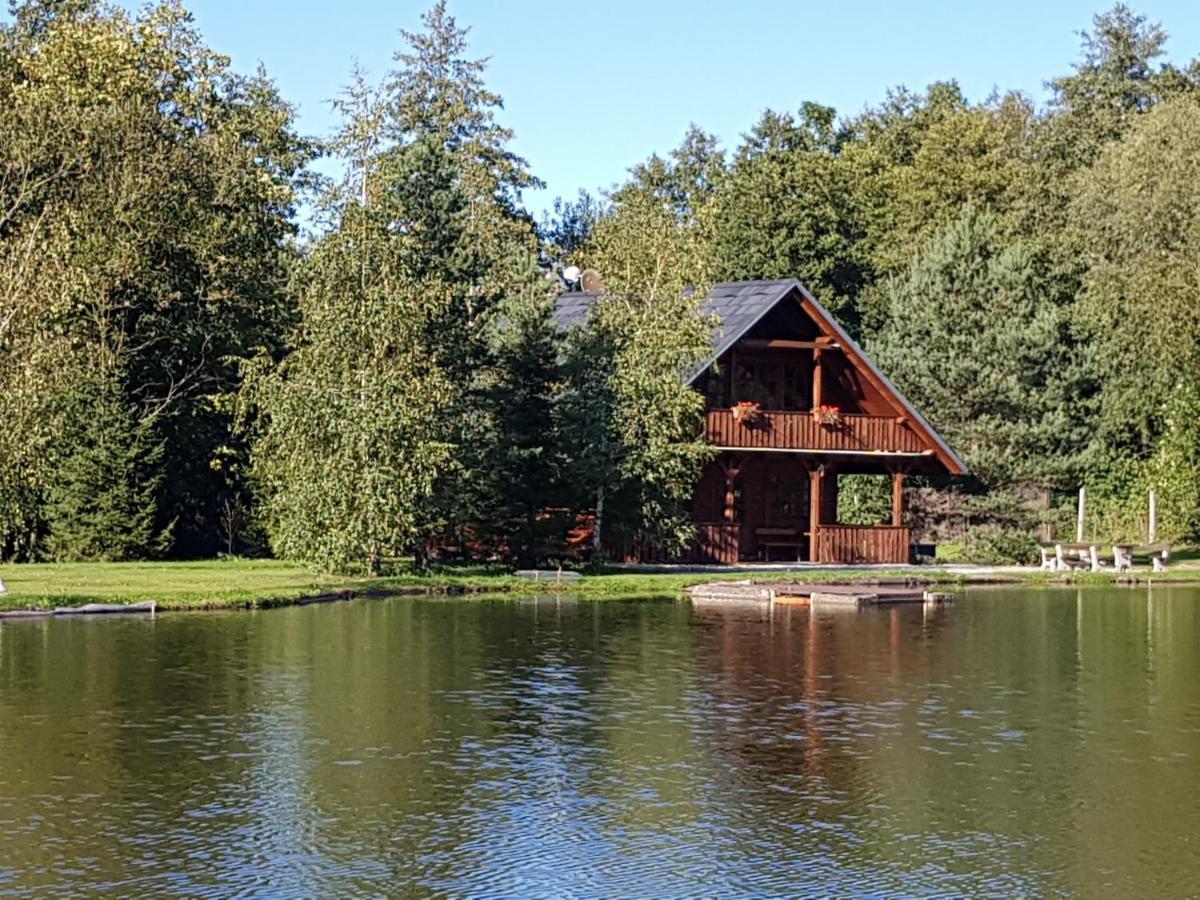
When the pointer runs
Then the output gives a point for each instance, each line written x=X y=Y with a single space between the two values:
x=571 y=274
x=590 y=281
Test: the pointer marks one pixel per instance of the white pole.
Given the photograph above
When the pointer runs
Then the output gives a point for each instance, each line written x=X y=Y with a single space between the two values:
x=1153 y=517
x=597 y=546
x=1082 y=512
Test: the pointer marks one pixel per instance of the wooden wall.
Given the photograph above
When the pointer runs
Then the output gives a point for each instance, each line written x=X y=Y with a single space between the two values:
x=774 y=494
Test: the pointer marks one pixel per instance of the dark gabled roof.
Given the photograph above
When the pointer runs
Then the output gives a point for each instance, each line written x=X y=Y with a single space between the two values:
x=573 y=308
x=739 y=305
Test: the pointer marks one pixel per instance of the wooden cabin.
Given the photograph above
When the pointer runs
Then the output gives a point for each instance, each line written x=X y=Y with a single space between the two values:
x=792 y=403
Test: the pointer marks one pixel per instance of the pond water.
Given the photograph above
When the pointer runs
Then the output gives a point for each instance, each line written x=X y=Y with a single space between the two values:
x=1026 y=741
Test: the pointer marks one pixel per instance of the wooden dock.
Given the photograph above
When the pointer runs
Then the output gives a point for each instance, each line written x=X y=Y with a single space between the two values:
x=846 y=596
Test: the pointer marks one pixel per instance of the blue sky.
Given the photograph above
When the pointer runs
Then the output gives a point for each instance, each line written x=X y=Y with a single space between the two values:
x=592 y=88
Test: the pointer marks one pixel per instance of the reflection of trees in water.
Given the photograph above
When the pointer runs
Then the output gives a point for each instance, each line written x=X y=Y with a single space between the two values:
x=787 y=671
x=1041 y=735
x=828 y=715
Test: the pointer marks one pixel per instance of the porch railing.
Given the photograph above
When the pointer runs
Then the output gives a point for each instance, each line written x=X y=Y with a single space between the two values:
x=863 y=544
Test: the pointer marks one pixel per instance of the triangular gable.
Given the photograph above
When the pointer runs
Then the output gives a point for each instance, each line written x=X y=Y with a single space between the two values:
x=739 y=306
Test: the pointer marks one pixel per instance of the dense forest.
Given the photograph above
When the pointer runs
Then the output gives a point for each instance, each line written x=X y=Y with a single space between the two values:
x=183 y=373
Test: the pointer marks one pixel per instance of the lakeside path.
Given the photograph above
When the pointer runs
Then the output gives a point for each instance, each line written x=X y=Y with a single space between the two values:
x=261 y=584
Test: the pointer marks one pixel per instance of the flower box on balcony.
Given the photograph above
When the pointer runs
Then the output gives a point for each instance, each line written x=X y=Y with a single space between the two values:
x=828 y=416
x=747 y=412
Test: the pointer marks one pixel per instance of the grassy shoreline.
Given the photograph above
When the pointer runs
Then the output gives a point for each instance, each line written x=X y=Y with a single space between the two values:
x=262 y=584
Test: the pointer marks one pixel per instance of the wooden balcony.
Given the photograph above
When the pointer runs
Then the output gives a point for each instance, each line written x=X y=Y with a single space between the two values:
x=777 y=430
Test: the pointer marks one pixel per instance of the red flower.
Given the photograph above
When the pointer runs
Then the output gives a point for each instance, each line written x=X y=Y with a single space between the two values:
x=827 y=415
x=746 y=412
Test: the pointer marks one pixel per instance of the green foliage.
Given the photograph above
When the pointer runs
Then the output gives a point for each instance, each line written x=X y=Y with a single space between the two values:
x=1174 y=470
x=421 y=332
x=687 y=180
x=147 y=195
x=568 y=229
x=352 y=433
x=631 y=422
x=970 y=342
x=1138 y=211
x=919 y=159
x=998 y=546
x=524 y=464
x=1113 y=84
x=102 y=504
x=864 y=499
x=1000 y=527
x=788 y=210
x=1120 y=490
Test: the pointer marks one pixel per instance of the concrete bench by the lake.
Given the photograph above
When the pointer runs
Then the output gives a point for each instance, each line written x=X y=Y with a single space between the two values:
x=1064 y=556
x=555 y=575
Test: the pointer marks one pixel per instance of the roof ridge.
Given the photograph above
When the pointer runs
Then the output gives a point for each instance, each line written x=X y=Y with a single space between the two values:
x=746 y=281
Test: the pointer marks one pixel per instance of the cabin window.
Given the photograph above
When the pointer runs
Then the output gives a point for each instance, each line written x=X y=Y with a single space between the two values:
x=774 y=384
x=769 y=382
x=716 y=388
x=758 y=382
x=797 y=393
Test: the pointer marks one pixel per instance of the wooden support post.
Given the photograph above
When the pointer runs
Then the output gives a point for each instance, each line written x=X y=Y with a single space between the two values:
x=815 y=479
x=732 y=470
x=1082 y=514
x=818 y=387
x=897 y=498
x=1153 y=531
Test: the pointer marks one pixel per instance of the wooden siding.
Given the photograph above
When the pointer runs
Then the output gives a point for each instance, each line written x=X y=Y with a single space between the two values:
x=775 y=430
x=863 y=544
x=716 y=542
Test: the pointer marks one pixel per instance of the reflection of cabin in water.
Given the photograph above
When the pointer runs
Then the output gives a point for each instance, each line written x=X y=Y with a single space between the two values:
x=792 y=403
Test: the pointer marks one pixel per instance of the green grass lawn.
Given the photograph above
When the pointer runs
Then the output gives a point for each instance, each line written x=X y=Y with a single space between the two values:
x=204 y=584
x=219 y=582
x=232 y=583
x=265 y=582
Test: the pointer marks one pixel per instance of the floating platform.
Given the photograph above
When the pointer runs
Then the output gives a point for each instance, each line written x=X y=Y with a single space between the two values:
x=90 y=609
x=853 y=596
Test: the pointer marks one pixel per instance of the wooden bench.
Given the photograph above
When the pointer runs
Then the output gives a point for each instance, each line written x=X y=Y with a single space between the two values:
x=776 y=538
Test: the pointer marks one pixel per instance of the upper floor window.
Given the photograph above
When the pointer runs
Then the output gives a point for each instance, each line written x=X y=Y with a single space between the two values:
x=773 y=384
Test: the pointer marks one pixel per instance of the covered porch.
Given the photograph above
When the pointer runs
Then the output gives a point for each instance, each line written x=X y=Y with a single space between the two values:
x=782 y=506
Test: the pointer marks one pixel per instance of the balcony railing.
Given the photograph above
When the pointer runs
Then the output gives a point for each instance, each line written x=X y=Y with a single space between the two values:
x=776 y=430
